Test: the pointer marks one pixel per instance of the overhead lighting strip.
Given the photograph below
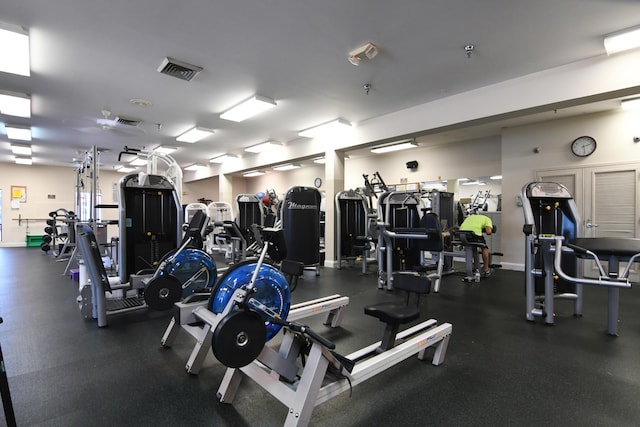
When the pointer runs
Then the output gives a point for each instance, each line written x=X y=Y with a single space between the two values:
x=194 y=135
x=15 y=104
x=14 y=57
x=249 y=108
x=329 y=128
x=394 y=147
x=623 y=40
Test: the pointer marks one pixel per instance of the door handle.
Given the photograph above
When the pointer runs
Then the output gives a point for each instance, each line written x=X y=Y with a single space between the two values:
x=589 y=224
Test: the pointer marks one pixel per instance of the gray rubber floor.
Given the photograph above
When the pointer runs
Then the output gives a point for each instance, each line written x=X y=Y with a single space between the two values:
x=499 y=369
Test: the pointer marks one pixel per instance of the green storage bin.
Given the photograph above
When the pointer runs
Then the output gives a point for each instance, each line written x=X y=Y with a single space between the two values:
x=34 y=240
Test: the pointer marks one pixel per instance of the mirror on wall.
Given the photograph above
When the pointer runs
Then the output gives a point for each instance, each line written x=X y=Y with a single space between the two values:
x=485 y=192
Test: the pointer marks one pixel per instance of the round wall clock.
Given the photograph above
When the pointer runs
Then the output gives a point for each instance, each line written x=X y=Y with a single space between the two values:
x=317 y=182
x=583 y=146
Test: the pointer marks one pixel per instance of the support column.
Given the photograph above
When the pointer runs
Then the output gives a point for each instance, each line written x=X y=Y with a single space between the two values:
x=225 y=189
x=334 y=179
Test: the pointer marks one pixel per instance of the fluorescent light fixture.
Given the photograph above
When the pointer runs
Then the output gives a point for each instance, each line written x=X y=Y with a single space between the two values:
x=630 y=104
x=15 y=50
x=18 y=133
x=249 y=108
x=496 y=177
x=165 y=149
x=223 y=158
x=125 y=169
x=138 y=162
x=394 y=147
x=253 y=174
x=194 y=167
x=326 y=128
x=194 y=135
x=622 y=40
x=21 y=150
x=15 y=104
x=320 y=160
x=24 y=161
x=263 y=146
x=463 y=179
x=286 y=167
x=471 y=183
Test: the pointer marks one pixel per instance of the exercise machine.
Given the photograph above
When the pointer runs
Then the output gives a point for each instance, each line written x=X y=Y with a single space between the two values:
x=300 y=216
x=182 y=272
x=325 y=373
x=554 y=250
x=471 y=253
x=150 y=222
x=217 y=239
x=353 y=225
x=250 y=211
x=404 y=236
x=200 y=314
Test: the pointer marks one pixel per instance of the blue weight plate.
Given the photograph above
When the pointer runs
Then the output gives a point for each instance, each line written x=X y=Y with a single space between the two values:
x=271 y=287
x=192 y=262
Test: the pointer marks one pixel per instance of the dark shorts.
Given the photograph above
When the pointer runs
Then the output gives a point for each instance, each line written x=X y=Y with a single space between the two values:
x=474 y=238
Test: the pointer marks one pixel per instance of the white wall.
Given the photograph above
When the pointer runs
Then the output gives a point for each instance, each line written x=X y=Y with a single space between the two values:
x=43 y=182
x=613 y=131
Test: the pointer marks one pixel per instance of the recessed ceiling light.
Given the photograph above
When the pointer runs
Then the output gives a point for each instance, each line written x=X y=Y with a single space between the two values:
x=623 y=40
x=263 y=146
x=24 y=161
x=333 y=126
x=223 y=158
x=15 y=50
x=394 y=147
x=165 y=149
x=249 y=108
x=15 y=104
x=194 y=135
x=286 y=167
x=18 y=132
x=194 y=167
x=21 y=150
x=253 y=174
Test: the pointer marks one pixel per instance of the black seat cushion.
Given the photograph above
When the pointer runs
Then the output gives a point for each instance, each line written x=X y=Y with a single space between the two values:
x=393 y=312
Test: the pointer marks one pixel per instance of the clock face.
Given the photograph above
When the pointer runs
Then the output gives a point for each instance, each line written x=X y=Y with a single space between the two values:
x=317 y=182
x=583 y=146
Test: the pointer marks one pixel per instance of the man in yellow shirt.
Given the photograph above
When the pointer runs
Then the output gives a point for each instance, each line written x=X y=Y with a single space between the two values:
x=479 y=224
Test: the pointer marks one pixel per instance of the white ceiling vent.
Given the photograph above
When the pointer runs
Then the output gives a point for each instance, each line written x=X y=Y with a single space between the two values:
x=127 y=121
x=179 y=69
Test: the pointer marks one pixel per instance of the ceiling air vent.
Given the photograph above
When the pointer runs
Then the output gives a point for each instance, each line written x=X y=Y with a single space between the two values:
x=179 y=69
x=127 y=121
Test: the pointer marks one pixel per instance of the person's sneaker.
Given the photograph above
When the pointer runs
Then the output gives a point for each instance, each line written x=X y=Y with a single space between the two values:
x=486 y=273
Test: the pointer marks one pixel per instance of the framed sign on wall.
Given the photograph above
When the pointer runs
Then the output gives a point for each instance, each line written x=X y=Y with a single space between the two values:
x=19 y=193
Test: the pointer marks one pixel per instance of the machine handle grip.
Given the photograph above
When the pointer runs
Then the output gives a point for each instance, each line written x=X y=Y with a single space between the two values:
x=308 y=331
x=578 y=249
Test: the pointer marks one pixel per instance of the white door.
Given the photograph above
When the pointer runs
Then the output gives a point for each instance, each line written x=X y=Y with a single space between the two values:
x=611 y=205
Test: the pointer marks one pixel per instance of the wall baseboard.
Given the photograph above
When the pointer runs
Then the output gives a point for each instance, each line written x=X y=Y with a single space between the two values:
x=330 y=264
x=512 y=266
x=13 y=245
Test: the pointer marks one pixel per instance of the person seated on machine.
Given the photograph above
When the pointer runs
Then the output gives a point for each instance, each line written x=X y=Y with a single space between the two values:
x=478 y=223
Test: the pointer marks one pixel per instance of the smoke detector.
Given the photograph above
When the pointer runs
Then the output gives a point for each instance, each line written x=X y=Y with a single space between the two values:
x=368 y=50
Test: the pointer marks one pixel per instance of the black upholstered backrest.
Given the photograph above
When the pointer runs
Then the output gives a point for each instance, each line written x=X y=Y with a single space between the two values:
x=92 y=257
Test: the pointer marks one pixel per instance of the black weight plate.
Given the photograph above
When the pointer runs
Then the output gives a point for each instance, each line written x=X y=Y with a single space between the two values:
x=162 y=292
x=45 y=247
x=239 y=338
x=46 y=238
